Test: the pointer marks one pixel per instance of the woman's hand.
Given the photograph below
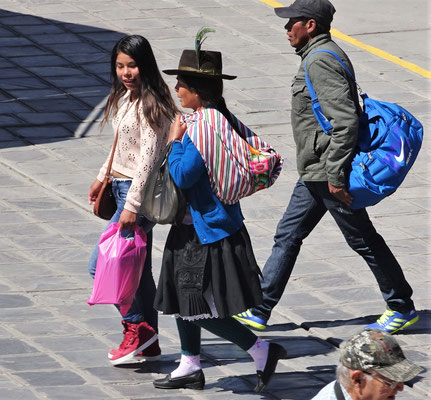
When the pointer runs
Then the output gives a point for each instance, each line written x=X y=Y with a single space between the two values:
x=94 y=191
x=127 y=220
x=177 y=129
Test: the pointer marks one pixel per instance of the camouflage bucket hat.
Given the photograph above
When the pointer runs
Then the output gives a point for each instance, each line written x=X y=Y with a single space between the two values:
x=379 y=351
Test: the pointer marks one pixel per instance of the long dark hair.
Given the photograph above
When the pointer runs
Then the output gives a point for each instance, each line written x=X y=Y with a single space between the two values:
x=155 y=97
x=210 y=91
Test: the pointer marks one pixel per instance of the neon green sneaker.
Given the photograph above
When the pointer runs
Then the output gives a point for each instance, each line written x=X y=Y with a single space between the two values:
x=248 y=318
x=393 y=321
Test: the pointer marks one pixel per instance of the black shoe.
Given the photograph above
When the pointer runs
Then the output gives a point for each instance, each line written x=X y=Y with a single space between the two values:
x=195 y=380
x=275 y=353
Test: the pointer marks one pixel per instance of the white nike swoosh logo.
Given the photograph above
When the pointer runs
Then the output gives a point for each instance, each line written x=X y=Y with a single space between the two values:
x=322 y=115
x=400 y=158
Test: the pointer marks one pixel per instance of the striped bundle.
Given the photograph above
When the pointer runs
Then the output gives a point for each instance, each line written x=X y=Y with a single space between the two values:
x=236 y=167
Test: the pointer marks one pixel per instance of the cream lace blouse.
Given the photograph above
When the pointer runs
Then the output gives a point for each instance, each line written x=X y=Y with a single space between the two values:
x=138 y=148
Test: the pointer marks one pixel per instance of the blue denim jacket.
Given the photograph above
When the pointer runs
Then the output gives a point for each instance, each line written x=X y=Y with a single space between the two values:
x=212 y=220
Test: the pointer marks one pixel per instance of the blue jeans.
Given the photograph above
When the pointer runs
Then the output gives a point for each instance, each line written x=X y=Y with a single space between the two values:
x=142 y=307
x=308 y=204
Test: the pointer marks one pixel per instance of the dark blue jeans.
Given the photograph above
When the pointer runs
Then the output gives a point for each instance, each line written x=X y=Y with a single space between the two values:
x=142 y=307
x=307 y=206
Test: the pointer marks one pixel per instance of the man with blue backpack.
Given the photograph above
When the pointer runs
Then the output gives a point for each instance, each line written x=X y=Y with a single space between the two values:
x=324 y=163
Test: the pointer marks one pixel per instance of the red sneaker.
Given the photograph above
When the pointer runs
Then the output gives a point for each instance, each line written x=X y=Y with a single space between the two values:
x=137 y=337
x=151 y=353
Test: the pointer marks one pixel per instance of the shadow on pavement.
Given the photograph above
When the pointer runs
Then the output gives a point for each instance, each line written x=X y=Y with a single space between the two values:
x=53 y=76
x=422 y=326
x=285 y=385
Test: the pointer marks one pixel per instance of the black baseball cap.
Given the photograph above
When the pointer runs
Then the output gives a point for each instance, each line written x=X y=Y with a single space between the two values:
x=320 y=10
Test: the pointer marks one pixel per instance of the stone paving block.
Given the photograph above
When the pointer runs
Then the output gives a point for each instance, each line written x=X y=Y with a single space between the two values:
x=299 y=299
x=13 y=107
x=55 y=255
x=18 y=394
x=43 y=242
x=6 y=258
x=314 y=267
x=110 y=374
x=413 y=246
x=65 y=214
x=14 y=301
x=71 y=343
x=18 y=269
x=57 y=300
x=48 y=131
x=87 y=358
x=331 y=280
x=13 y=73
x=81 y=310
x=78 y=393
x=17 y=51
x=48 y=328
x=5 y=243
x=355 y=294
x=318 y=363
x=25 y=314
x=8 y=121
x=36 y=203
x=294 y=394
x=52 y=378
x=16 y=20
x=4 y=288
x=30 y=362
x=105 y=325
x=319 y=314
x=70 y=268
x=15 y=347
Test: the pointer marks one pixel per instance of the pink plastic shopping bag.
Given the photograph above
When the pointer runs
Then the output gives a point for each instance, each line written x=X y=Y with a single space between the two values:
x=119 y=268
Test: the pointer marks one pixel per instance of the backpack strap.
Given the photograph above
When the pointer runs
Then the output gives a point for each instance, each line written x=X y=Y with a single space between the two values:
x=315 y=105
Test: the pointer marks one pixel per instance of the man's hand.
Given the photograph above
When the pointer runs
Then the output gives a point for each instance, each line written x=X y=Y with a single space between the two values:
x=340 y=193
x=127 y=220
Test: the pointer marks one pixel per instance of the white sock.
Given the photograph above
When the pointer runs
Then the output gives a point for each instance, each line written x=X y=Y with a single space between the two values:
x=259 y=353
x=188 y=365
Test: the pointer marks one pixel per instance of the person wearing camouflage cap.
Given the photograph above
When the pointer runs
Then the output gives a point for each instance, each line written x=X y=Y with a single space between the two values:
x=372 y=367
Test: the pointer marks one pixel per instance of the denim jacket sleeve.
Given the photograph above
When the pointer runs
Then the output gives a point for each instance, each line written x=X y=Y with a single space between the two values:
x=185 y=163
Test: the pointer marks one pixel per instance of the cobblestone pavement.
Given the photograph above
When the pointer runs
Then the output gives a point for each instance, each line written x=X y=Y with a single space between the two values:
x=54 y=76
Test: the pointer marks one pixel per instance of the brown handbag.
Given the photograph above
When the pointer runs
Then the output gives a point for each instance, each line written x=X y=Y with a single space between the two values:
x=105 y=205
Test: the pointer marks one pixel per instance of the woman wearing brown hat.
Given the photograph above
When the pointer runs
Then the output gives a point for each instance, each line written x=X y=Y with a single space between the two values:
x=209 y=271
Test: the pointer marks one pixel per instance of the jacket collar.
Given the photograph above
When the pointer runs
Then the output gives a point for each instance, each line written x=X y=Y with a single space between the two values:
x=316 y=41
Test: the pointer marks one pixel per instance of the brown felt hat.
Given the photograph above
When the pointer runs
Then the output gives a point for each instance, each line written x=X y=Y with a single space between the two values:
x=209 y=65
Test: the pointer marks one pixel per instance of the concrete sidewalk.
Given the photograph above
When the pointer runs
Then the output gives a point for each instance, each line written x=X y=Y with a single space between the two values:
x=54 y=77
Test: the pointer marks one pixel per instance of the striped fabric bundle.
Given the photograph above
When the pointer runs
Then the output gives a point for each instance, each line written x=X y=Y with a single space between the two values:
x=236 y=167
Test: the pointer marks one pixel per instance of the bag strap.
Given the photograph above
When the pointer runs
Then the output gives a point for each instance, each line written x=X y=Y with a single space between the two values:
x=338 y=391
x=315 y=104
x=111 y=158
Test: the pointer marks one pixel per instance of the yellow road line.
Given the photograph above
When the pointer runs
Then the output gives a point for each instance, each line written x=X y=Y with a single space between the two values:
x=373 y=50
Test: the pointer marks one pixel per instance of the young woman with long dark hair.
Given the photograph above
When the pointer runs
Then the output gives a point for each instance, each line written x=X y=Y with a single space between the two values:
x=142 y=110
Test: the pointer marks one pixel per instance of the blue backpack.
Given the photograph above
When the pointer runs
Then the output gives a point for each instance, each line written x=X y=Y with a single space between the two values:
x=389 y=140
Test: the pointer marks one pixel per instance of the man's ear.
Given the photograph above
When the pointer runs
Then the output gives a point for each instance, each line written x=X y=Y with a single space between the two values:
x=356 y=377
x=311 y=26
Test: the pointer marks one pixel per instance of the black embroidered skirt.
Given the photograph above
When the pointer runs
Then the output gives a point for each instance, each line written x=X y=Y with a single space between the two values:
x=227 y=267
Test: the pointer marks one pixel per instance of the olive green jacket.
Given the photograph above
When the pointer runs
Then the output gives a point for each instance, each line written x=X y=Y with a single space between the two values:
x=320 y=157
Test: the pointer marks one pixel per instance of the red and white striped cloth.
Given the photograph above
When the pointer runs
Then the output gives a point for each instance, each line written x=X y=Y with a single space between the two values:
x=236 y=167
